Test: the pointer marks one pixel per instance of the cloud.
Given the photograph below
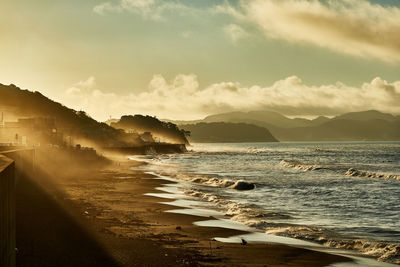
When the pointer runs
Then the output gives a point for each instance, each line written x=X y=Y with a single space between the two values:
x=183 y=98
x=148 y=9
x=103 y=8
x=355 y=27
x=235 y=32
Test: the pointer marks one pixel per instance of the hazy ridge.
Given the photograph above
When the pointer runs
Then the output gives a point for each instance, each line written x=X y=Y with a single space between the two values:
x=355 y=126
x=221 y=132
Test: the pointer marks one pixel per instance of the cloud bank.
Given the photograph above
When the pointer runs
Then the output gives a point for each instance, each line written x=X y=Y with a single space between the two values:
x=235 y=32
x=182 y=98
x=354 y=27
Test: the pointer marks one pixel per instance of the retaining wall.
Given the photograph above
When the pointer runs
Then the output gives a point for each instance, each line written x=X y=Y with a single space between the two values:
x=13 y=164
x=7 y=212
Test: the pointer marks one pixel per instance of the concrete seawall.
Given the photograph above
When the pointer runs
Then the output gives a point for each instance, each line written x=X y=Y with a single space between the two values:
x=13 y=164
x=7 y=212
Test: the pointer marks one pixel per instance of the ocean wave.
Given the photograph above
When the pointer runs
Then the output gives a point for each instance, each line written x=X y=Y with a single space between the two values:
x=255 y=217
x=368 y=174
x=301 y=166
x=237 y=211
x=226 y=149
x=240 y=185
x=382 y=251
x=257 y=150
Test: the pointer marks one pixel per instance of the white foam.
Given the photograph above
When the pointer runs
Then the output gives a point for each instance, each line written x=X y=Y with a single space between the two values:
x=368 y=174
x=197 y=212
x=300 y=166
x=380 y=250
x=265 y=238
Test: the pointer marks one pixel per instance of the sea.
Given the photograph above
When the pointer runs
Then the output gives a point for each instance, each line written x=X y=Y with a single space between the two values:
x=343 y=195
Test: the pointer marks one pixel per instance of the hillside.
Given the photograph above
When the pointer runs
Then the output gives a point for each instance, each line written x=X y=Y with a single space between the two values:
x=264 y=119
x=354 y=126
x=84 y=129
x=162 y=131
x=366 y=116
x=260 y=118
x=220 y=132
x=344 y=130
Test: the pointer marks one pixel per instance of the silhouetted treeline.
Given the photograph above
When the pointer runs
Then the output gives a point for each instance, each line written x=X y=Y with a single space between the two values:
x=163 y=131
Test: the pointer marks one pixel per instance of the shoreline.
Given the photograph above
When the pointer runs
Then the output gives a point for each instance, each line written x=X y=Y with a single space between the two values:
x=129 y=213
x=100 y=217
x=208 y=178
x=182 y=204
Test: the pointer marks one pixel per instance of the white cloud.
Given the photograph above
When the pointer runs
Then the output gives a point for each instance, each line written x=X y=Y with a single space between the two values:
x=354 y=27
x=149 y=9
x=182 y=98
x=102 y=8
x=235 y=32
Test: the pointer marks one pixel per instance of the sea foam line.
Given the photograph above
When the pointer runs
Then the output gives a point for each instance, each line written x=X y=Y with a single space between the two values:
x=300 y=166
x=367 y=174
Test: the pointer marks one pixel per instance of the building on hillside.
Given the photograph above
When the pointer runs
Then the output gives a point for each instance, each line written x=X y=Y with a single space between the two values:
x=34 y=131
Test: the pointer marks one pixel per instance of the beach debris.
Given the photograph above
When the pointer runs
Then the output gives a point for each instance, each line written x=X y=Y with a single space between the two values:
x=86 y=212
x=244 y=242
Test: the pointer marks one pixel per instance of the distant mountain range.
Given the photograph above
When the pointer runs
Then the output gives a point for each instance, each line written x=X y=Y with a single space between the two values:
x=222 y=132
x=254 y=126
x=368 y=125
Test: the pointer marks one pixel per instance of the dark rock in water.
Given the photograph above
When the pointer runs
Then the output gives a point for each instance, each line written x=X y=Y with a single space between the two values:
x=242 y=185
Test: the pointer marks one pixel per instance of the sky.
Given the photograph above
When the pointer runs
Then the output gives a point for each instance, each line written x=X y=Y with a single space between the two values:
x=186 y=59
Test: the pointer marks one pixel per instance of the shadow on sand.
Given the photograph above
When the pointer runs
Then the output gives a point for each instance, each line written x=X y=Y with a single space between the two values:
x=47 y=235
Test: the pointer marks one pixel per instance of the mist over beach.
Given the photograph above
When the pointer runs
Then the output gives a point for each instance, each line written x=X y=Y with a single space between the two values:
x=200 y=133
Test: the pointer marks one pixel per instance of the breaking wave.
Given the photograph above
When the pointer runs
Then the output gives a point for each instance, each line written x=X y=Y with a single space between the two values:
x=237 y=211
x=300 y=166
x=257 y=150
x=255 y=217
x=380 y=250
x=240 y=185
x=368 y=174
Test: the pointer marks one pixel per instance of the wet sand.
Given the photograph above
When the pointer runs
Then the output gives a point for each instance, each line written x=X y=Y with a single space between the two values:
x=101 y=217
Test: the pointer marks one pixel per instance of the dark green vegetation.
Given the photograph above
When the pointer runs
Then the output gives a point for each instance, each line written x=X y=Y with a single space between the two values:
x=164 y=131
x=228 y=132
x=355 y=126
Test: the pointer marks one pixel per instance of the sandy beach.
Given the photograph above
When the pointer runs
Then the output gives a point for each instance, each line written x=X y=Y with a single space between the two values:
x=101 y=217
